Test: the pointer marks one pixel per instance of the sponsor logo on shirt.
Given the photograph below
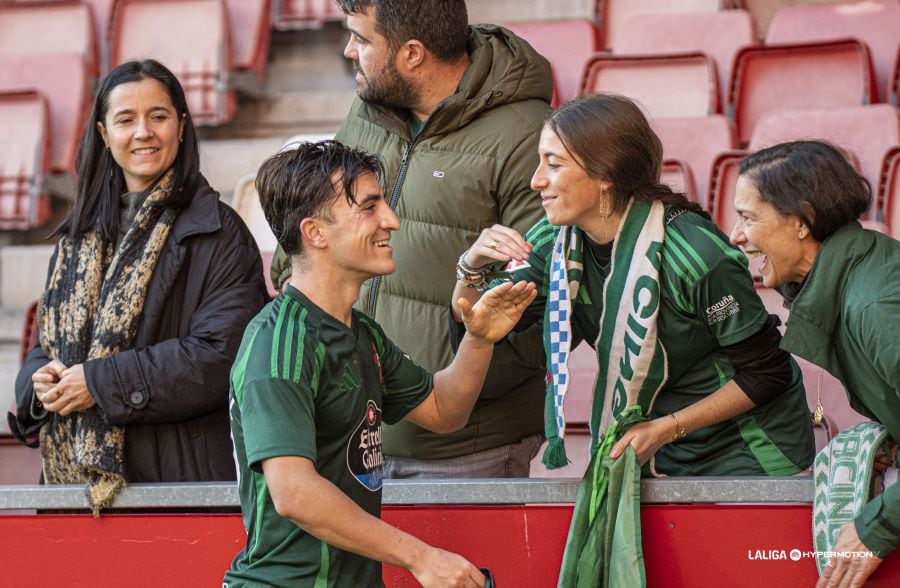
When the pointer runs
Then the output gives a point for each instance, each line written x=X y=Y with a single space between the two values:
x=722 y=309
x=364 y=457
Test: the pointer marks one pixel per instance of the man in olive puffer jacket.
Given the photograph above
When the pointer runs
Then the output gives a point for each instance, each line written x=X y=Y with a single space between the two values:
x=455 y=112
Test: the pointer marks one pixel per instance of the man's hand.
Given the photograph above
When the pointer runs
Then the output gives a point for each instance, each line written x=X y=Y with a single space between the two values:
x=442 y=568
x=646 y=438
x=848 y=572
x=498 y=311
x=70 y=394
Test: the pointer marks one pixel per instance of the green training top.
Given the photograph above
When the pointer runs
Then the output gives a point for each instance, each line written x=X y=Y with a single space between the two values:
x=708 y=302
x=303 y=384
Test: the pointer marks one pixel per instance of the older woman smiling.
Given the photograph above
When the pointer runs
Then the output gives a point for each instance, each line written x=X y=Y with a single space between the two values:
x=798 y=204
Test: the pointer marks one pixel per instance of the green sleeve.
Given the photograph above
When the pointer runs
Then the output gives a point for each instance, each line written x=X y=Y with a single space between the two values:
x=878 y=525
x=725 y=300
x=278 y=419
x=876 y=330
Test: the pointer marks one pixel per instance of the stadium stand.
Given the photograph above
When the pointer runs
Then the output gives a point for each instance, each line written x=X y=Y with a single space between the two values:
x=889 y=193
x=722 y=179
x=190 y=37
x=718 y=34
x=304 y=14
x=566 y=44
x=250 y=35
x=866 y=132
x=696 y=141
x=677 y=174
x=63 y=79
x=24 y=30
x=24 y=159
x=246 y=202
x=876 y=22
x=665 y=85
x=614 y=14
x=779 y=77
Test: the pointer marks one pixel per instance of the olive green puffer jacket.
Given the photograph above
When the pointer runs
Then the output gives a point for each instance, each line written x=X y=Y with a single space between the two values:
x=469 y=167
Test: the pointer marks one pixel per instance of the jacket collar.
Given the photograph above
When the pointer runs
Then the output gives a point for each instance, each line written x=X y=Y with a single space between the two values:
x=202 y=214
x=816 y=311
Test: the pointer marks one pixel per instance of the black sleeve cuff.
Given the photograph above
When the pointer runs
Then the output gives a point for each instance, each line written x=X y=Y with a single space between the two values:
x=762 y=369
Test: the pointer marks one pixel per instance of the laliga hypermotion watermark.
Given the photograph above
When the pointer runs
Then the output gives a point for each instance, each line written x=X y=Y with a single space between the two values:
x=798 y=554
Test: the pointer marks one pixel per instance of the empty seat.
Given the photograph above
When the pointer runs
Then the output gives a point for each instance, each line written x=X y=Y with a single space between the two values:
x=664 y=85
x=867 y=132
x=614 y=14
x=31 y=28
x=250 y=34
x=63 y=80
x=877 y=22
x=24 y=159
x=566 y=44
x=889 y=193
x=191 y=38
x=722 y=182
x=696 y=141
x=677 y=175
x=305 y=14
x=29 y=331
x=813 y=75
x=718 y=34
x=246 y=202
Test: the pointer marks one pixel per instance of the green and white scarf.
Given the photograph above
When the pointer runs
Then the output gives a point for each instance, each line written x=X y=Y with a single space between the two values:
x=843 y=478
x=632 y=361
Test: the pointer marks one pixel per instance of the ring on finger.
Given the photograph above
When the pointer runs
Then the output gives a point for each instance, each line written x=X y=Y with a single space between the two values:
x=493 y=244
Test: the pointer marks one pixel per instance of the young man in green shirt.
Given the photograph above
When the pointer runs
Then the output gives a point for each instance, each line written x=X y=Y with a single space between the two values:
x=314 y=380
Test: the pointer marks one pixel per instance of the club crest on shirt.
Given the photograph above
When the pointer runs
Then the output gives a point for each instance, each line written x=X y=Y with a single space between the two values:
x=364 y=457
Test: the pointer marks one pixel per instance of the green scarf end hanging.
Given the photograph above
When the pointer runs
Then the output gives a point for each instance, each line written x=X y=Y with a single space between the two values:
x=555 y=454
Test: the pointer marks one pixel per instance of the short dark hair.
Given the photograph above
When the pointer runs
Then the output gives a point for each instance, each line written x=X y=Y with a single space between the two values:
x=812 y=180
x=614 y=141
x=300 y=183
x=100 y=181
x=441 y=25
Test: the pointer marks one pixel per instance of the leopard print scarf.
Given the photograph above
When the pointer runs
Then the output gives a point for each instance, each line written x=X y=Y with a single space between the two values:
x=91 y=309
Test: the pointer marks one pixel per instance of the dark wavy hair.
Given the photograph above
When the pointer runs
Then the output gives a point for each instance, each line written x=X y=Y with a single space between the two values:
x=441 y=25
x=614 y=141
x=300 y=183
x=812 y=180
x=100 y=180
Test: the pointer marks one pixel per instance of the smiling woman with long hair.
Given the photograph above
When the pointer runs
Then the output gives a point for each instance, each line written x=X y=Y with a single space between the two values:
x=148 y=291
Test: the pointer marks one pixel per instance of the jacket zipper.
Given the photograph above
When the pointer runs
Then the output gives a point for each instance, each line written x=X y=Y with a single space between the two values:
x=395 y=196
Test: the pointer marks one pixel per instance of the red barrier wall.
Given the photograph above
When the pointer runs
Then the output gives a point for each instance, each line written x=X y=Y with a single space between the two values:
x=684 y=545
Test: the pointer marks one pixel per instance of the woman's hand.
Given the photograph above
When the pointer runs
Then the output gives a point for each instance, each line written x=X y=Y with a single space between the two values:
x=646 y=438
x=497 y=243
x=46 y=377
x=841 y=572
x=70 y=394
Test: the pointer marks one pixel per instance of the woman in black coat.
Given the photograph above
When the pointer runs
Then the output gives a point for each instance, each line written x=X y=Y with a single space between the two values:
x=148 y=292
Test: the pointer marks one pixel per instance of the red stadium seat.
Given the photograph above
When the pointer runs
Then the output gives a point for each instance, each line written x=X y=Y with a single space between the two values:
x=250 y=34
x=25 y=29
x=665 y=85
x=889 y=193
x=246 y=202
x=29 y=331
x=566 y=44
x=722 y=181
x=24 y=159
x=677 y=175
x=63 y=79
x=876 y=22
x=867 y=132
x=718 y=34
x=813 y=75
x=305 y=14
x=191 y=38
x=696 y=141
x=614 y=14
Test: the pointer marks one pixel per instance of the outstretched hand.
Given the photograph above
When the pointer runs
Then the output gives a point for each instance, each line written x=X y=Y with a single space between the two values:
x=498 y=311
x=854 y=568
